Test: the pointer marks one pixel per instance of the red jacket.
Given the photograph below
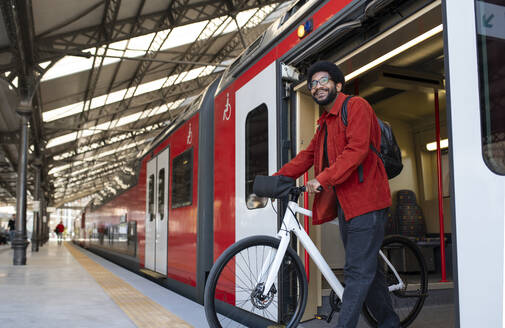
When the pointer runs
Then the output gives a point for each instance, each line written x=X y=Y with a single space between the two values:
x=60 y=228
x=347 y=148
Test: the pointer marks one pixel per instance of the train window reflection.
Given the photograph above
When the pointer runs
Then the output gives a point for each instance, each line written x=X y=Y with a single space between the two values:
x=151 y=197
x=161 y=193
x=491 y=47
x=256 y=153
x=182 y=179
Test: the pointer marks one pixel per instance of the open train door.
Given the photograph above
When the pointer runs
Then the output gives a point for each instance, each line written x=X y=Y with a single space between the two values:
x=474 y=34
x=255 y=154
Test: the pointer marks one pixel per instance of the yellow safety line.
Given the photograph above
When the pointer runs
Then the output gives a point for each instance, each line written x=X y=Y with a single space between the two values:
x=143 y=311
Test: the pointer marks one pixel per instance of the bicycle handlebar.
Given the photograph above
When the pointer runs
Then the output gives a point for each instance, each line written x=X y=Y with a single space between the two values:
x=296 y=191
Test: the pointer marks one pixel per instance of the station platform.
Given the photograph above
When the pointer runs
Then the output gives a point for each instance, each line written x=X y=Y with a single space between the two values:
x=67 y=286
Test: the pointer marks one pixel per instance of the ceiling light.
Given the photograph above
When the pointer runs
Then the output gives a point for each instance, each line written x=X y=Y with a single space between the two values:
x=444 y=143
x=394 y=52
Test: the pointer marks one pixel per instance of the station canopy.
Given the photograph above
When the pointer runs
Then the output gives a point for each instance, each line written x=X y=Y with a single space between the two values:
x=104 y=77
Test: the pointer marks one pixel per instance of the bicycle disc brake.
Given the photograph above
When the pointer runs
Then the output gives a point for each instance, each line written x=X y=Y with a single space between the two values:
x=261 y=301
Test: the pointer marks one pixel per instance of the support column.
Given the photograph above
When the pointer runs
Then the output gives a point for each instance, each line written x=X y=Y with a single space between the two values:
x=19 y=242
x=43 y=219
x=36 y=213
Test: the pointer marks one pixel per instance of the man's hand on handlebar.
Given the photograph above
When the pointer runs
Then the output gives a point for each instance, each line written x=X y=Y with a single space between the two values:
x=313 y=185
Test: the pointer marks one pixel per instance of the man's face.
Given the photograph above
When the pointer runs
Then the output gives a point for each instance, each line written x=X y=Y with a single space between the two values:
x=323 y=89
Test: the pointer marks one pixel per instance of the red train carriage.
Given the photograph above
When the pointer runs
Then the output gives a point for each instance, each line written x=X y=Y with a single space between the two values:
x=193 y=196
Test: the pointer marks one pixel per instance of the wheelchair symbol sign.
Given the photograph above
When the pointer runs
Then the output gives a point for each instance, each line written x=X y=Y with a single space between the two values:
x=227 y=109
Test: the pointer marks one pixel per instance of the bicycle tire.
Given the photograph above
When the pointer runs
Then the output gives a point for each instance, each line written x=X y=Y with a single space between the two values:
x=407 y=302
x=220 y=275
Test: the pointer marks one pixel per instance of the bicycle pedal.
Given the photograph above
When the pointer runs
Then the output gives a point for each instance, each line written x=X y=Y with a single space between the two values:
x=320 y=317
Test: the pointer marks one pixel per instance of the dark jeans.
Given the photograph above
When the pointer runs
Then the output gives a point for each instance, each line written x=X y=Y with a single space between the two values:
x=364 y=282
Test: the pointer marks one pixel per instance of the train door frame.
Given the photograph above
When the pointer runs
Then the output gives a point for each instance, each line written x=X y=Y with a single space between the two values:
x=259 y=91
x=297 y=56
x=478 y=224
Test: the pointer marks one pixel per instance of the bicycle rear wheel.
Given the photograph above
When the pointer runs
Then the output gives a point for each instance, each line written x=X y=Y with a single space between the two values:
x=410 y=265
x=234 y=291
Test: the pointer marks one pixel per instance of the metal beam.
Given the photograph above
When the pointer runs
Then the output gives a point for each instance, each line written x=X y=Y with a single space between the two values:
x=105 y=147
x=9 y=138
x=139 y=103
x=126 y=157
x=91 y=37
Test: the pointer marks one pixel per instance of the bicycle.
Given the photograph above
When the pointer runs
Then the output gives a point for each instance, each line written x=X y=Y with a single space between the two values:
x=260 y=282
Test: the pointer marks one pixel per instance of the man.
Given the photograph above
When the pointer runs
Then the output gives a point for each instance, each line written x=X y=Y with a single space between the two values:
x=355 y=188
x=12 y=227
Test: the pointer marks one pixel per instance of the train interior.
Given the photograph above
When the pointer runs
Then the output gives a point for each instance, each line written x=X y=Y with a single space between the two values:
x=402 y=91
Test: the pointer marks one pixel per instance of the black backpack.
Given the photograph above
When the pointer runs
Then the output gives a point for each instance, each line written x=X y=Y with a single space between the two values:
x=390 y=152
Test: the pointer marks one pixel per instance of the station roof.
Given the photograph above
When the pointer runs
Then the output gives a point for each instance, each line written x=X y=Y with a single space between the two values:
x=104 y=78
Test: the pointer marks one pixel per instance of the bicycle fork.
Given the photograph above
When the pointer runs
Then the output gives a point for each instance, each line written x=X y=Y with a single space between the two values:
x=272 y=268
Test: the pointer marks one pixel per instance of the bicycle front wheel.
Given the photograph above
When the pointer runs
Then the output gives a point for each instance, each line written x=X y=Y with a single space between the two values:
x=235 y=287
x=408 y=261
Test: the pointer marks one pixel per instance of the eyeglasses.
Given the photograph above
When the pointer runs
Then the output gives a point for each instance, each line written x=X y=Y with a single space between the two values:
x=322 y=82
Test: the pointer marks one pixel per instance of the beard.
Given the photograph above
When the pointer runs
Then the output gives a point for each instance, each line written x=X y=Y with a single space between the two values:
x=332 y=94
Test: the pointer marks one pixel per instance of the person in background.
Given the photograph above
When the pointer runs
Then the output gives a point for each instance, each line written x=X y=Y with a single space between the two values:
x=12 y=227
x=59 y=231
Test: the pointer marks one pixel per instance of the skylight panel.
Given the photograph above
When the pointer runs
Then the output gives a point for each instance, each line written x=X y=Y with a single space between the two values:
x=62 y=112
x=45 y=64
x=141 y=42
x=61 y=140
x=181 y=35
x=59 y=168
x=98 y=101
x=178 y=36
x=69 y=65
x=115 y=96
x=128 y=119
x=63 y=156
x=228 y=21
x=150 y=86
x=193 y=74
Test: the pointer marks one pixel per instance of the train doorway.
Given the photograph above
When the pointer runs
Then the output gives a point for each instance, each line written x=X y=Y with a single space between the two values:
x=157 y=213
x=400 y=72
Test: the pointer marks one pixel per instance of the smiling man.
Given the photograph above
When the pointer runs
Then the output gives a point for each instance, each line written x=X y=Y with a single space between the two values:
x=354 y=188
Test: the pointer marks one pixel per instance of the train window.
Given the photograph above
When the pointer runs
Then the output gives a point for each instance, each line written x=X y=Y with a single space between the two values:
x=161 y=193
x=151 y=197
x=182 y=179
x=291 y=11
x=491 y=47
x=256 y=153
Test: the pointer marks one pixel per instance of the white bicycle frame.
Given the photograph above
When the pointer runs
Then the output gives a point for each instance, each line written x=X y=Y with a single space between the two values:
x=291 y=224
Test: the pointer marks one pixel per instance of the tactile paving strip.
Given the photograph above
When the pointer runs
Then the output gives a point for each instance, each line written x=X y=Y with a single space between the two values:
x=143 y=311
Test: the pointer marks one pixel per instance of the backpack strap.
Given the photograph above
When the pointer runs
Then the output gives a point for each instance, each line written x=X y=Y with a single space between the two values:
x=343 y=114
x=343 y=111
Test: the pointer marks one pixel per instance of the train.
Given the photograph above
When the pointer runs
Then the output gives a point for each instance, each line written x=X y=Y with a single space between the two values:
x=430 y=68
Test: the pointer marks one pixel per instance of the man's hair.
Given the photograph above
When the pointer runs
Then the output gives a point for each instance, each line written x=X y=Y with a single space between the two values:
x=329 y=67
